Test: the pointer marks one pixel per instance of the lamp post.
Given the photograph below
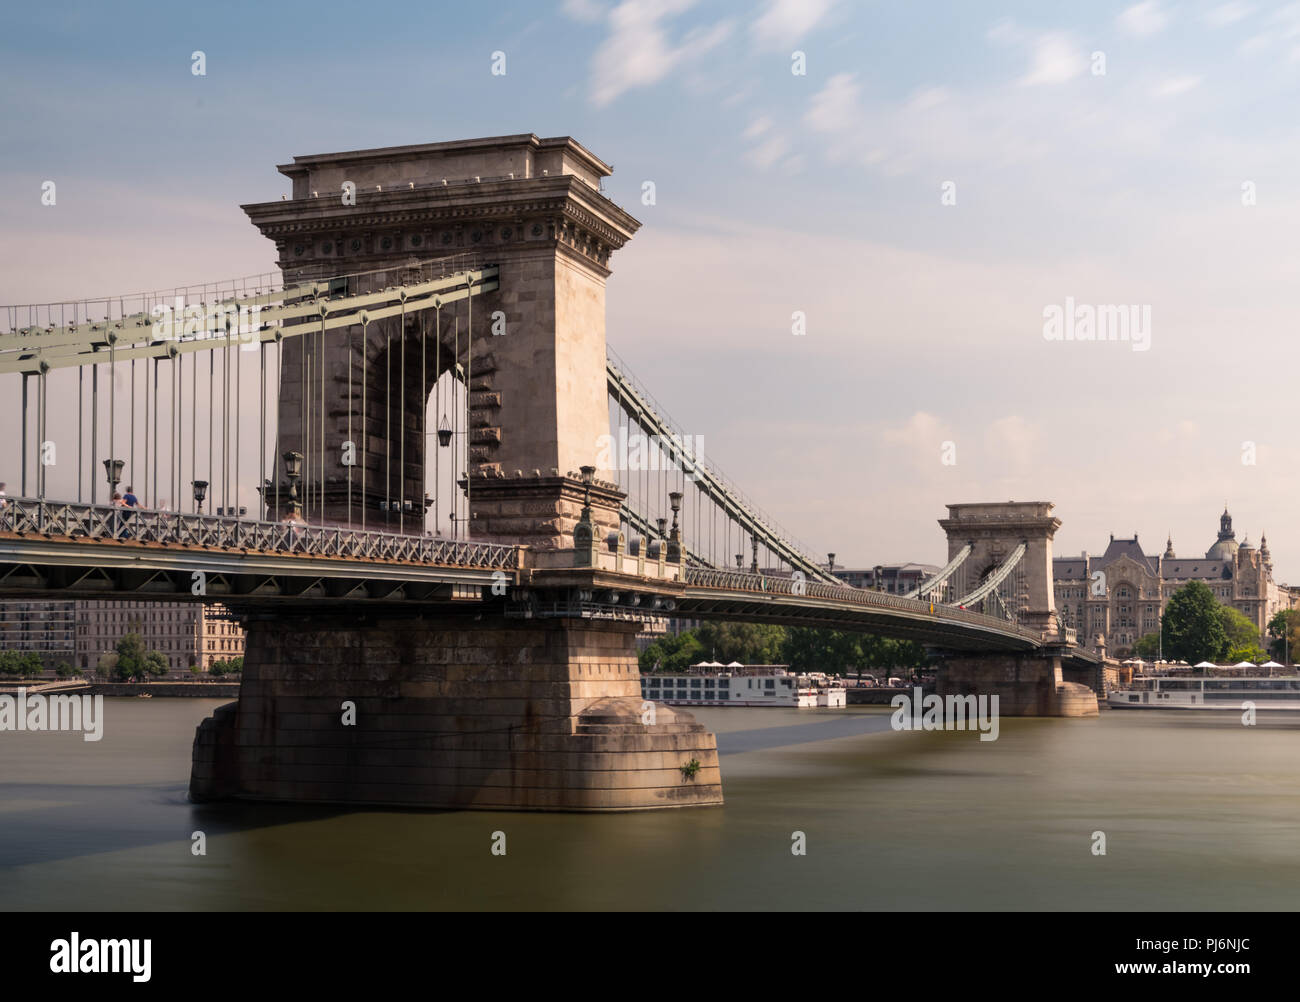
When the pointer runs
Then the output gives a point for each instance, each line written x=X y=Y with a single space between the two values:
x=293 y=470
x=830 y=563
x=588 y=476
x=200 y=492
x=445 y=434
x=113 y=470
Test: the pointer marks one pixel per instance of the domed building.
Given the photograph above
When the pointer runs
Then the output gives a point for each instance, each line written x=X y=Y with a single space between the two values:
x=1225 y=547
x=1117 y=597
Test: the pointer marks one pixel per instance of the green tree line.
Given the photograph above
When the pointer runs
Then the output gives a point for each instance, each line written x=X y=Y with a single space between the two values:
x=802 y=648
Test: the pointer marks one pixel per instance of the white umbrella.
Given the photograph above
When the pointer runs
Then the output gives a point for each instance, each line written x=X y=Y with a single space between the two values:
x=1245 y=664
x=734 y=664
x=1207 y=664
x=1271 y=664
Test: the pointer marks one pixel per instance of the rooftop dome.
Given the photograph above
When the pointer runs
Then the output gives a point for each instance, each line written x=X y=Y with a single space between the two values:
x=1225 y=547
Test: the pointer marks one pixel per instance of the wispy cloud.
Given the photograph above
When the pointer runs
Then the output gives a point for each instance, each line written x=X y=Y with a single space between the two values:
x=639 y=52
x=1176 y=85
x=784 y=22
x=1227 y=13
x=1055 y=58
x=1145 y=18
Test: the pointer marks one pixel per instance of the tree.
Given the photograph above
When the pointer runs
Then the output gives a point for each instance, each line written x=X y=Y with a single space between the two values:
x=1284 y=633
x=1148 y=647
x=130 y=658
x=232 y=667
x=1240 y=630
x=106 y=665
x=1246 y=652
x=1192 y=630
x=886 y=652
x=809 y=648
x=671 y=653
x=748 y=643
x=134 y=662
x=21 y=664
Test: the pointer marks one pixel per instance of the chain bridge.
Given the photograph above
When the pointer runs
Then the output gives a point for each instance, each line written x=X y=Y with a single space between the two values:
x=411 y=465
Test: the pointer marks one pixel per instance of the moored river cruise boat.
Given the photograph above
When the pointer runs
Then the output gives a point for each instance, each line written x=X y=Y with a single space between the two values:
x=1151 y=693
x=739 y=685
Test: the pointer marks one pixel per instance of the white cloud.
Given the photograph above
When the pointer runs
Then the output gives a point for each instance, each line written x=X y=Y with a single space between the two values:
x=1005 y=30
x=758 y=126
x=1227 y=13
x=1056 y=59
x=584 y=10
x=834 y=108
x=784 y=22
x=1145 y=18
x=770 y=151
x=1176 y=85
x=929 y=97
x=638 y=53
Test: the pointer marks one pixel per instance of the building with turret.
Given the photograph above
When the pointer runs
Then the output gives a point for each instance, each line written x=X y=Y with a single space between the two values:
x=1115 y=598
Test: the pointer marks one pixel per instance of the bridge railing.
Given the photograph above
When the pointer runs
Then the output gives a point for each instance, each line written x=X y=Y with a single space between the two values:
x=141 y=525
x=707 y=577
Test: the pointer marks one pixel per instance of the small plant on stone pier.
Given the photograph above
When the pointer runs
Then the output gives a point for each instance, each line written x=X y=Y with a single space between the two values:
x=690 y=769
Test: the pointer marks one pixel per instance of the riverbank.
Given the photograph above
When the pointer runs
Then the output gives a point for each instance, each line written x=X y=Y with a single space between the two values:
x=184 y=690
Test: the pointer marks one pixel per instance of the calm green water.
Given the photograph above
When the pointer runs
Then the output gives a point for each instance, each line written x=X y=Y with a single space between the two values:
x=1199 y=813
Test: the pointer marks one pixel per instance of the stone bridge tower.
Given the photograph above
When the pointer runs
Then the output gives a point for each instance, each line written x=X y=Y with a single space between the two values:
x=995 y=530
x=1030 y=684
x=538 y=400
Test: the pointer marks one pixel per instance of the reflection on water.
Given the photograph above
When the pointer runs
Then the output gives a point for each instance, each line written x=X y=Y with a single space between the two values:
x=1199 y=813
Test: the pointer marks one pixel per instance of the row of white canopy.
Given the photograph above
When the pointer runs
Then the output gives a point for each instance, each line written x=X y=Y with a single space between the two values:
x=1206 y=664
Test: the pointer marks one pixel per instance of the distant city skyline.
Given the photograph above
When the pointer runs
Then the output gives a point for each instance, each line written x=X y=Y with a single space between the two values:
x=936 y=180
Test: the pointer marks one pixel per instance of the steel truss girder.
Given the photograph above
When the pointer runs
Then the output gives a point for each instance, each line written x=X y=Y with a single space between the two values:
x=34 y=354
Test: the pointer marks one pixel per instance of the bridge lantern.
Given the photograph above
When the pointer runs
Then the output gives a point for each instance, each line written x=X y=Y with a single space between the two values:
x=200 y=492
x=444 y=432
x=113 y=469
x=293 y=470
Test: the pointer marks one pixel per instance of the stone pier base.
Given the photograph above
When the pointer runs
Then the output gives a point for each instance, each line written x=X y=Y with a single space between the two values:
x=1027 y=685
x=487 y=713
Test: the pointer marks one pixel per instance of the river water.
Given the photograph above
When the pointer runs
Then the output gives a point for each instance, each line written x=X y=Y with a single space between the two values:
x=1198 y=812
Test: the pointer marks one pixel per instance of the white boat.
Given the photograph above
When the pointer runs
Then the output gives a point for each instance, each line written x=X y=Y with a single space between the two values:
x=774 y=688
x=1152 y=693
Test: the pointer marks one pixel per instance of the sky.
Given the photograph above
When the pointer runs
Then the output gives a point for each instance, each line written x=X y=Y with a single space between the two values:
x=940 y=180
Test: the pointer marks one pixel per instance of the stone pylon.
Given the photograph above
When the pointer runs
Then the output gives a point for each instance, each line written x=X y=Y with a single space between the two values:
x=532 y=351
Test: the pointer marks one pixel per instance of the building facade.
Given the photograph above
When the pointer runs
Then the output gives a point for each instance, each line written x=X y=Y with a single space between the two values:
x=1114 y=599
x=187 y=634
x=48 y=629
x=896 y=579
